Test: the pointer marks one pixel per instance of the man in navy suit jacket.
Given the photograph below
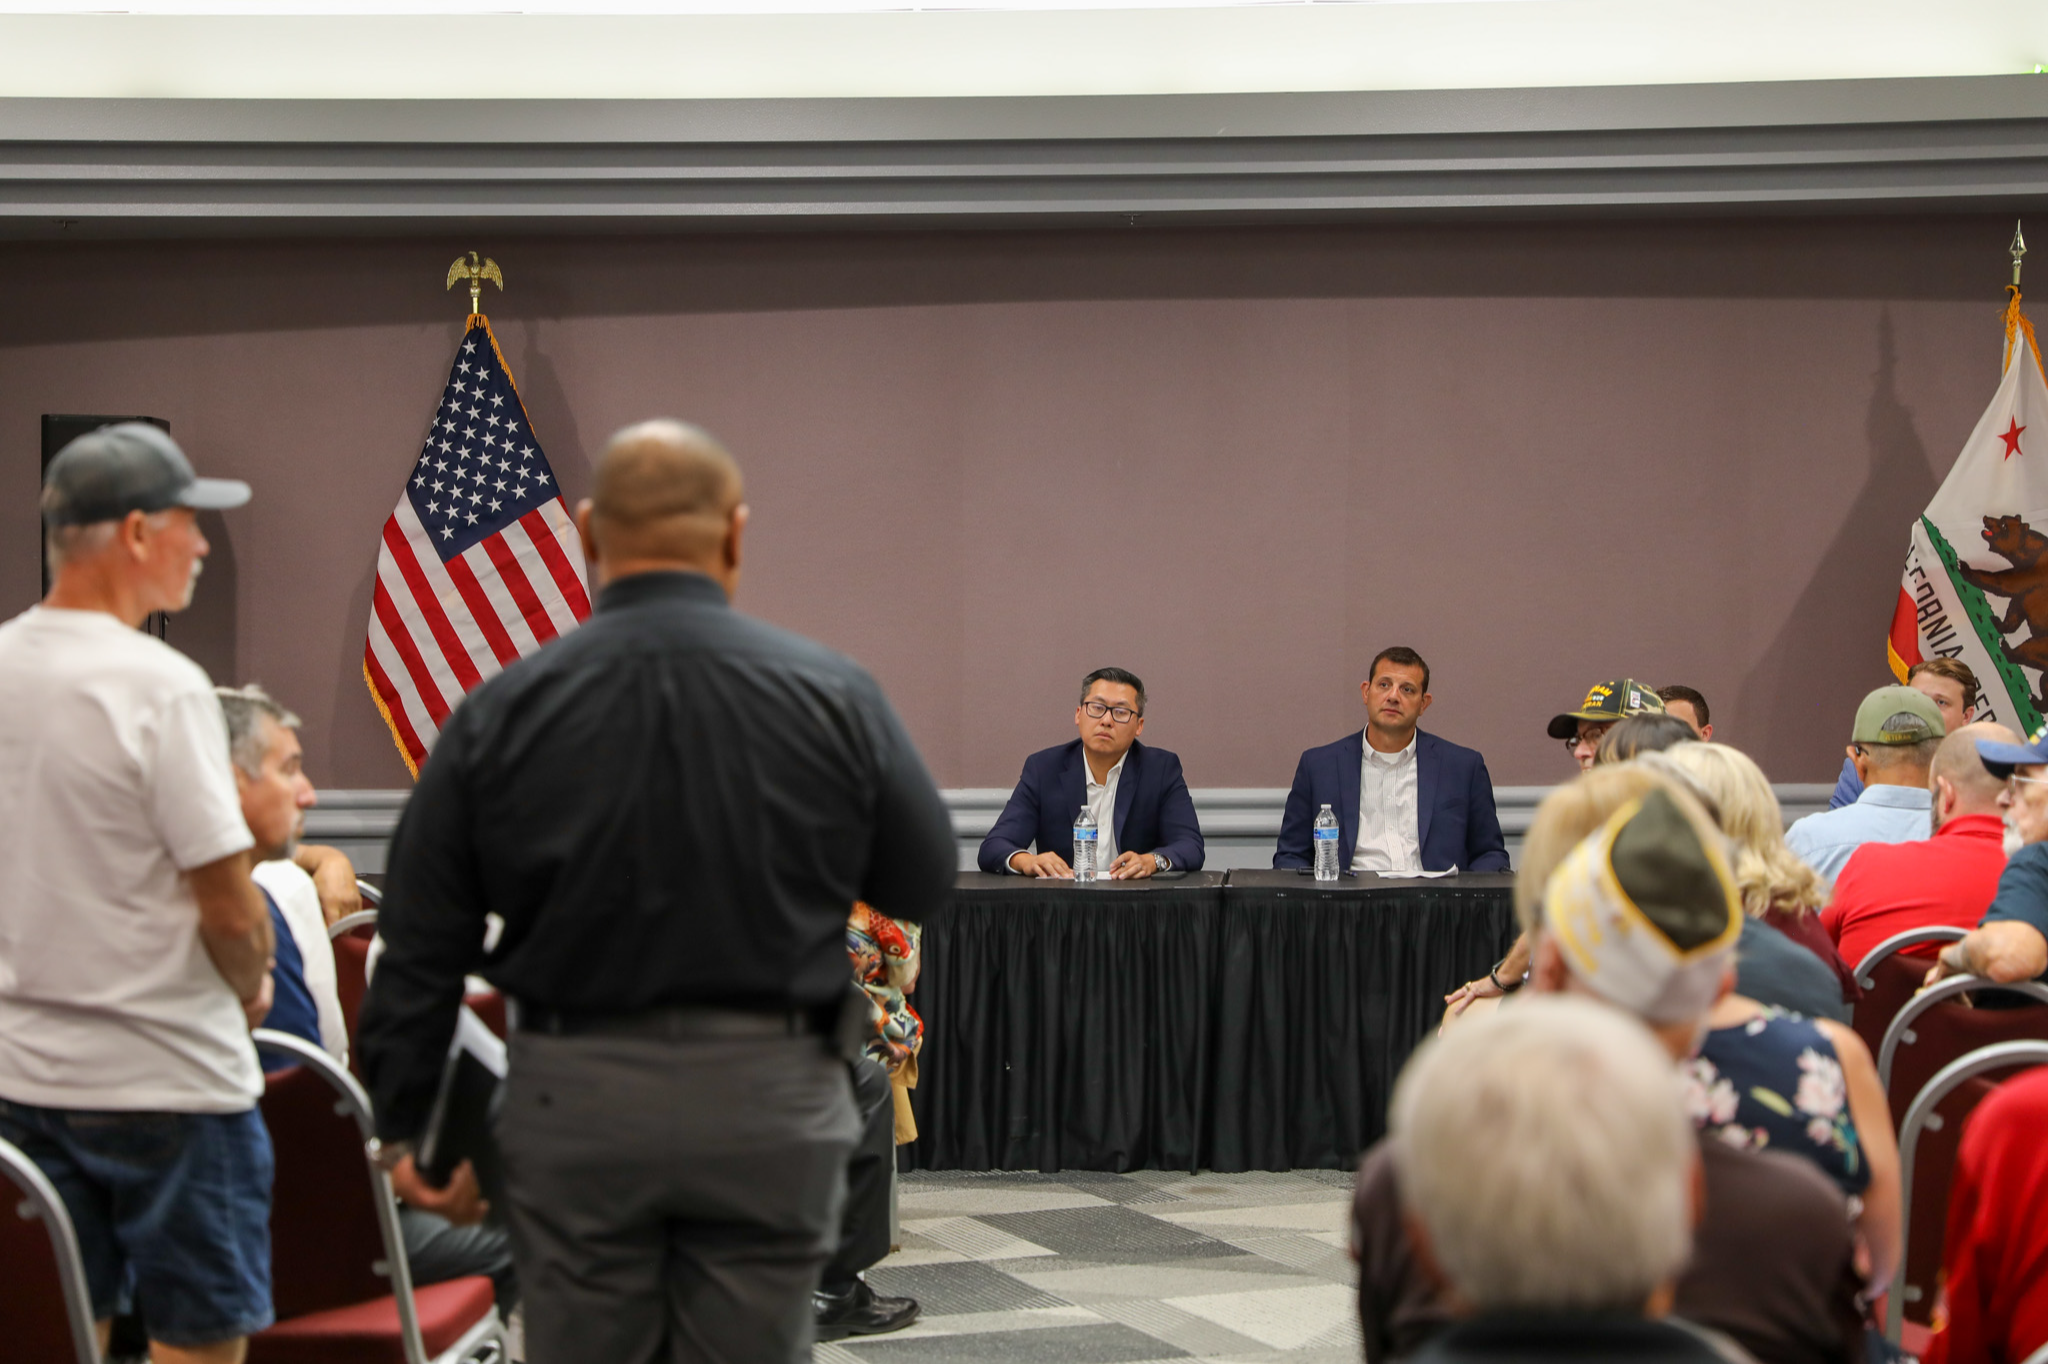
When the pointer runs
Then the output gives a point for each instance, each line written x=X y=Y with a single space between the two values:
x=1142 y=808
x=1409 y=803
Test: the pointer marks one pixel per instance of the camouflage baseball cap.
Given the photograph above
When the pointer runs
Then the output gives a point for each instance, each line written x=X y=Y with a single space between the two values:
x=1608 y=702
x=1897 y=715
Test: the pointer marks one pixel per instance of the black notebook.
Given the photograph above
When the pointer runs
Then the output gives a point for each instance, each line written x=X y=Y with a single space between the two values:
x=459 y=1127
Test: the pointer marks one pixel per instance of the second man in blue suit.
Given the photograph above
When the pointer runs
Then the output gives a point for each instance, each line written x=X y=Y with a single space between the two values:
x=1139 y=799
x=1405 y=801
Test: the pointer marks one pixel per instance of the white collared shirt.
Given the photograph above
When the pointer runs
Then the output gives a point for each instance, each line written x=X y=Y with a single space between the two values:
x=1101 y=798
x=1388 y=832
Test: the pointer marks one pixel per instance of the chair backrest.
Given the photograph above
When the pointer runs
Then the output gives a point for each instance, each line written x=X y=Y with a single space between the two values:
x=372 y=894
x=1929 y=1138
x=335 y=1240
x=44 y=1300
x=1936 y=1027
x=1888 y=976
x=350 y=937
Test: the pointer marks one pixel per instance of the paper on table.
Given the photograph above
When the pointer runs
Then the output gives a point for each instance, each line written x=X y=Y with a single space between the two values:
x=1450 y=871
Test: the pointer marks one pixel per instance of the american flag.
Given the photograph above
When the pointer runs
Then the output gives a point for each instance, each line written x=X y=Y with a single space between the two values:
x=479 y=563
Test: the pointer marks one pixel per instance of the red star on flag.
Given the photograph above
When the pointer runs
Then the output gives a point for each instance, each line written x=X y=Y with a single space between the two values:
x=2011 y=437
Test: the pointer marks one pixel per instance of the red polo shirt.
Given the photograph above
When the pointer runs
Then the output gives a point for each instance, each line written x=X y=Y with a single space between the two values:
x=1887 y=889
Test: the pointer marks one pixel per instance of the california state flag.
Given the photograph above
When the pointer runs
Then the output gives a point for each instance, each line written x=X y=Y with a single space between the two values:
x=1976 y=582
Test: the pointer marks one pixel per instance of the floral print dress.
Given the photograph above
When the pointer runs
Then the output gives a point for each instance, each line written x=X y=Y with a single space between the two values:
x=1775 y=1083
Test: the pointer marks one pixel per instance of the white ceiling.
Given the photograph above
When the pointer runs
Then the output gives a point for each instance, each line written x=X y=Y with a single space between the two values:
x=683 y=49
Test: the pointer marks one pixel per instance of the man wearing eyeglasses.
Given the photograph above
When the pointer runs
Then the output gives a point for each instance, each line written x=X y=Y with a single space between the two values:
x=1139 y=800
x=1606 y=705
x=2011 y=942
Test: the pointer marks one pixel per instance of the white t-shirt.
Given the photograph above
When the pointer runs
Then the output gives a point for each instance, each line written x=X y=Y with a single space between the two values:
x=117 y=780
x=298 y=900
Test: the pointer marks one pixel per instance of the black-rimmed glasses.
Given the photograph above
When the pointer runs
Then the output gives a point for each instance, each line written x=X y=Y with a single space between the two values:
x=1123 y=715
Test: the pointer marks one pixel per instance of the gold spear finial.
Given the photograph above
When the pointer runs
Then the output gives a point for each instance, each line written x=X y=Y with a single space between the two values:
x=476 y=272
x=2019 y=249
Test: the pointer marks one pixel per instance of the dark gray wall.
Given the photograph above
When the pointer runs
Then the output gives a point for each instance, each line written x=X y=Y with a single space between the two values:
x=1235 y=460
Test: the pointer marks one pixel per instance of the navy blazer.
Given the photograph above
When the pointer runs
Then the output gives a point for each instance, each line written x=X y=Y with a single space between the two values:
x=1454 y=818
x=1154 y=813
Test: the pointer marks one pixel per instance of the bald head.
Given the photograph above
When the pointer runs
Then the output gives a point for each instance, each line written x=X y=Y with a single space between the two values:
x=1957 y=777
x=667 y=497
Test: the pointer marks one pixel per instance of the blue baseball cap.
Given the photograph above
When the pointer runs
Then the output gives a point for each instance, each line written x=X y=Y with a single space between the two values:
x=128 y=467
x=2000 y=759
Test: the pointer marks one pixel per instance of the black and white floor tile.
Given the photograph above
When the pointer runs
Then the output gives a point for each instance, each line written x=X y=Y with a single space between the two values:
x=1088 y=1266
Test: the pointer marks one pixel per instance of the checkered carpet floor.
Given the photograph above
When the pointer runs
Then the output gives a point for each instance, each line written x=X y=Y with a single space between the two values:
x=1088 y=1266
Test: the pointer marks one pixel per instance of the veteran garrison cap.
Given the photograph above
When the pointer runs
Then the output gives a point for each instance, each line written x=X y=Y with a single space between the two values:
x=1608 y=701
x=1646 y=911
x=128 y=467
x=1897 y=715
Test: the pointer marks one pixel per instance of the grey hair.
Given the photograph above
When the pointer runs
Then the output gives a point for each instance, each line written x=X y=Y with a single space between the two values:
x=241 y=706
x=63 y=544
x=1547 y=1153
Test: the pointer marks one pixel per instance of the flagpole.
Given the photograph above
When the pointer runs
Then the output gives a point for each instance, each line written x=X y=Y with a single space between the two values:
x=2018 y=249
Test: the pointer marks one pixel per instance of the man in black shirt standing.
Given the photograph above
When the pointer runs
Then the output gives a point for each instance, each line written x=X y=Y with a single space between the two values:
x=670 y=810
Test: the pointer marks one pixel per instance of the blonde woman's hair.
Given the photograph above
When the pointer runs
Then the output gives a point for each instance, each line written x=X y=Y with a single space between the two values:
x=1767 y=873
x=1568 y=815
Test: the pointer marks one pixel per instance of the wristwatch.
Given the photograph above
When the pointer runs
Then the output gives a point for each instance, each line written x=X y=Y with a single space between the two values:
x=1160 y=862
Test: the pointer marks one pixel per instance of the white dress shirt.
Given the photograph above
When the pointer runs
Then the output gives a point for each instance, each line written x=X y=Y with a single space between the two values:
x=1388 y=836
x=1102 y=805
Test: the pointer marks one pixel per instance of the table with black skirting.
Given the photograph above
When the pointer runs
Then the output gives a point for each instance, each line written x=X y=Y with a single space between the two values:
x=1249 y=1020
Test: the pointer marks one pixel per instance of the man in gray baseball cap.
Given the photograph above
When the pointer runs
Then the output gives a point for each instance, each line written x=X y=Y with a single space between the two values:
x=138 y=947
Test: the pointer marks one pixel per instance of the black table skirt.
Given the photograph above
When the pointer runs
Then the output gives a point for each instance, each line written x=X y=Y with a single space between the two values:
x=1185 y=1025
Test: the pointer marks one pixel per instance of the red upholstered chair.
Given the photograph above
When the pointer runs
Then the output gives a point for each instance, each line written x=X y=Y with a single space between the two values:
x=350 y=937
x=490 y=1008
x=1928 y=1141
x=339 y=1279
x=1888 y=976
x=1935 y=1027
x=45 y=1304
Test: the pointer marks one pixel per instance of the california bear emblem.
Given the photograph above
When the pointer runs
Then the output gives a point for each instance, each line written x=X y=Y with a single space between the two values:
x=2025 y=585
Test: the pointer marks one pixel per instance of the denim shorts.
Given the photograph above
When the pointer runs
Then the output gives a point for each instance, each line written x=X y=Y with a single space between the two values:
x=172 y=1212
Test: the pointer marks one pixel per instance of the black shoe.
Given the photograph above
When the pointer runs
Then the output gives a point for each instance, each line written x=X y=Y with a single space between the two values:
x=860 y=1312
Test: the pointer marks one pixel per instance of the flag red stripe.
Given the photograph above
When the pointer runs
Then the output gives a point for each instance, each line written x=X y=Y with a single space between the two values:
x=558 y=564
x=481 y=608
x=1905 y=635
x=429 y=608
x=394 y=708
x=408 y=654
x=514 y=578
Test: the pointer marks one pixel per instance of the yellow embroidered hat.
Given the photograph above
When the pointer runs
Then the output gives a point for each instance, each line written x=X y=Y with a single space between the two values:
x=1607 y=701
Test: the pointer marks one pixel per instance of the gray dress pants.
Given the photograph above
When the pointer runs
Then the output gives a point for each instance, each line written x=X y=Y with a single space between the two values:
x=673 y=1200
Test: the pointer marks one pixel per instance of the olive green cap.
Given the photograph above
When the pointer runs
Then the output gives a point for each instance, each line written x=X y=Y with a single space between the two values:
x=1897 y=715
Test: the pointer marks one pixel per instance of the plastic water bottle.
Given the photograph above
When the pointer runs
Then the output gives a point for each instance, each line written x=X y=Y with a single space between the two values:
x=1326 y=845
x=1085 y=833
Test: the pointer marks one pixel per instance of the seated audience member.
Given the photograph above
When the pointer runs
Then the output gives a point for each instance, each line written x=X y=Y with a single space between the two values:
x=1777 y=888
x=1689 y=706
x=1891 y=745
x=276 y=794
x=2011 y=942
x=1645 y=734
x=1144 y=816
x=1950 y=685
x=1606 y=705
x=884 y=953
x=1773 y=1265
x=1405 y=800
x=1995 y=1257
x=1949 y=879
x=1598 y=1215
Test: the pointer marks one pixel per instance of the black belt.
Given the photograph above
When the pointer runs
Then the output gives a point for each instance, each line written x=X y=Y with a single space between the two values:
x=673 y=1023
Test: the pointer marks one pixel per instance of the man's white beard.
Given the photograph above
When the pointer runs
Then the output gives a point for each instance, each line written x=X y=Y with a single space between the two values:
x=2013 y=842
